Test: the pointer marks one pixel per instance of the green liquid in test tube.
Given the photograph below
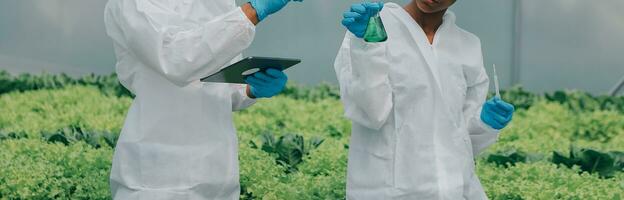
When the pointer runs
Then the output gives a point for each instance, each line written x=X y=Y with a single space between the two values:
x=375 y=32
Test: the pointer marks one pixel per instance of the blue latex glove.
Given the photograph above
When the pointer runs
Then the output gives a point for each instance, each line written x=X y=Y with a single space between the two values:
x=497 y=113
x=266 y=7
x=267 y=84
x=356 y=19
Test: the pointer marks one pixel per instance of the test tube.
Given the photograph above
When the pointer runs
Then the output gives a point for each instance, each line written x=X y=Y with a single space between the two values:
x=496 y=82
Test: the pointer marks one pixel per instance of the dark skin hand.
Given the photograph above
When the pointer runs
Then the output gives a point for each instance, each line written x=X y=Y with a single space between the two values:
x=428 y=14
x=248 y=91
x=250 y=12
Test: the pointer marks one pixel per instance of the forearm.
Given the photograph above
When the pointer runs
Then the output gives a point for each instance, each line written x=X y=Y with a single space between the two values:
x=481 y=134
x=183 y=52
x=362 y=70
x=250 y=12
x=241 y=98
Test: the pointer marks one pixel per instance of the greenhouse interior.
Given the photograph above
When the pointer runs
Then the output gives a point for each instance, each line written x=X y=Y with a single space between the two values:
x=99 y=99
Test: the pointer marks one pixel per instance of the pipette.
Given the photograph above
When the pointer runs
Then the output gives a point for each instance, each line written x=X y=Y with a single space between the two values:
x=496 y=82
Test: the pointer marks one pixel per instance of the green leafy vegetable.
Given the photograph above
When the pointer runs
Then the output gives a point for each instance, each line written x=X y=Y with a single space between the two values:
x=511 y=157
x=74 y=134
x=290 y=149
x=589 y=160
x=78 y=115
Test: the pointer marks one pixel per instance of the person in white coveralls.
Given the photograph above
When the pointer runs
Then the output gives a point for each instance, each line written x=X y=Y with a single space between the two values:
x=417 y=102
x=178 y=141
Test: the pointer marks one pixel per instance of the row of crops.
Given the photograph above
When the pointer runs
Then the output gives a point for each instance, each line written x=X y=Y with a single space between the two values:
x=57 y=135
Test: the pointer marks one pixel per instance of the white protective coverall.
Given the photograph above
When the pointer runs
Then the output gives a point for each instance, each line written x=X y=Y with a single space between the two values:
x=178 y=140
x=415 y=111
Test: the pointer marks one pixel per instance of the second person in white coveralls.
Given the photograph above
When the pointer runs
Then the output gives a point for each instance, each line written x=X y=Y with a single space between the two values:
x=417 y=103
x=178 y=141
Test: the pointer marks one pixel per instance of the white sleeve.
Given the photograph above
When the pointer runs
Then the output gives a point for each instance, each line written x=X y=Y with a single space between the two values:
x=180 y=49
x=362 y=71
x=481 y=135
x=240 y=100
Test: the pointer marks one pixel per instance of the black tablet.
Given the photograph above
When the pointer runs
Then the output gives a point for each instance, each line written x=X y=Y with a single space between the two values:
x=236 y=73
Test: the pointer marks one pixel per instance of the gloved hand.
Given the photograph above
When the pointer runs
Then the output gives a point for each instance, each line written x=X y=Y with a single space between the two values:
x=267 y=84
x=356 y=19
x=497 y=113
x=266 y=7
